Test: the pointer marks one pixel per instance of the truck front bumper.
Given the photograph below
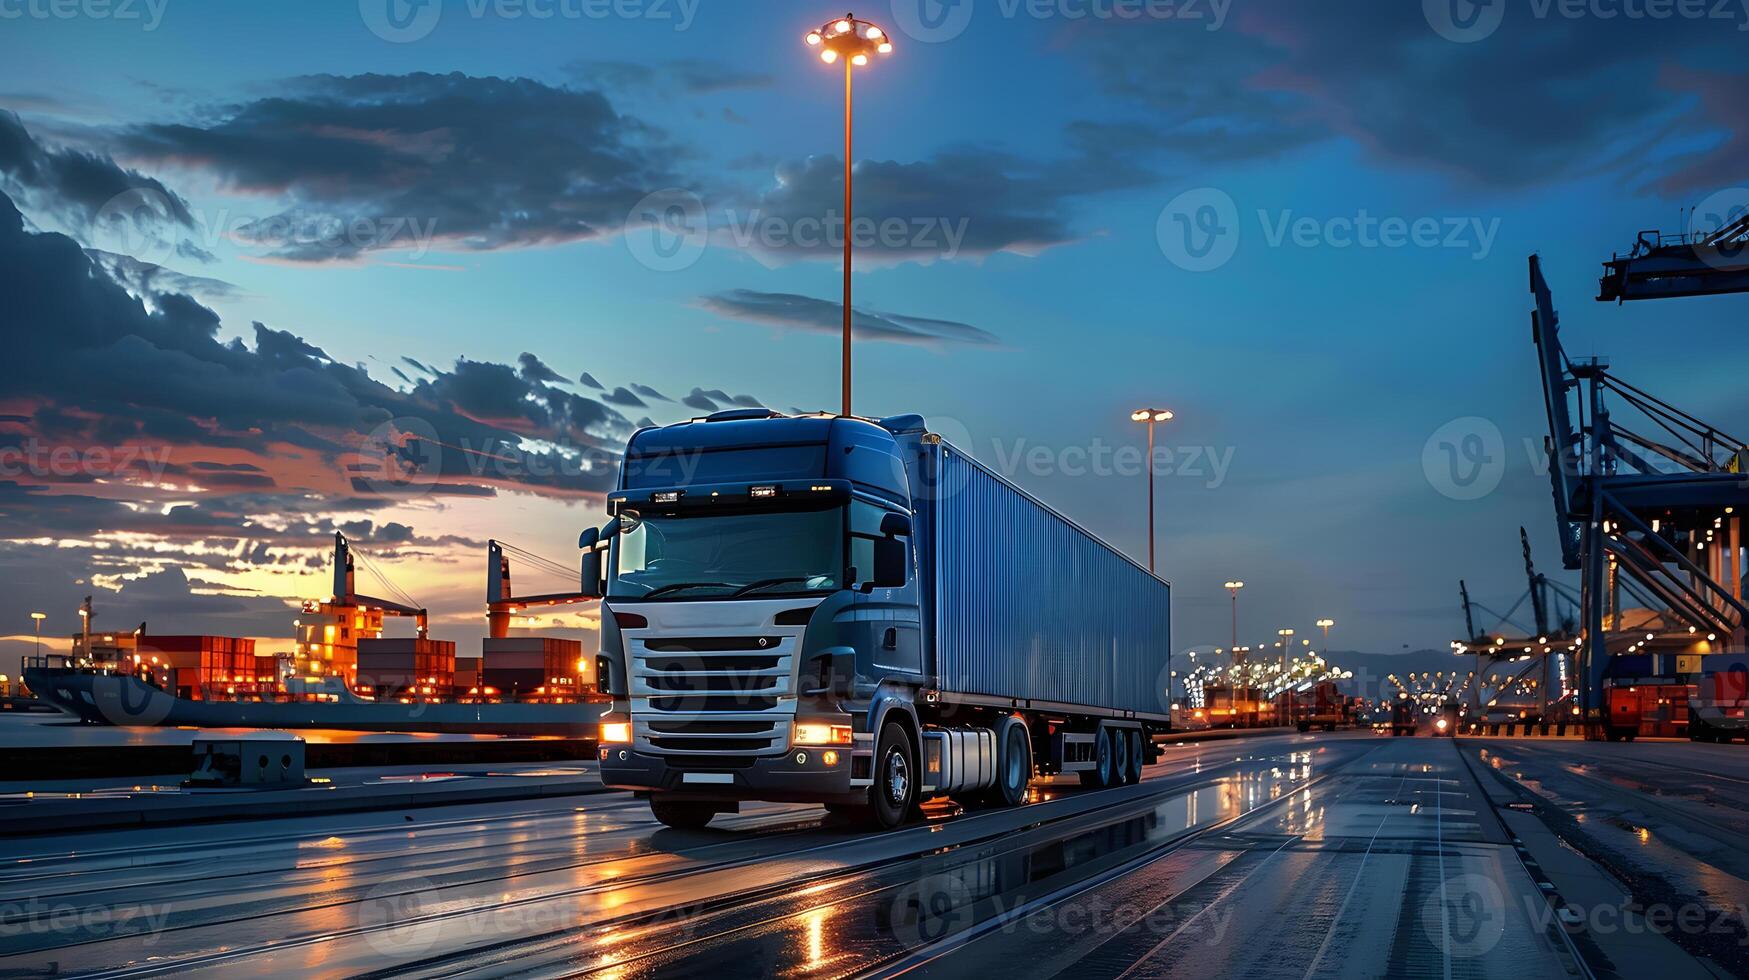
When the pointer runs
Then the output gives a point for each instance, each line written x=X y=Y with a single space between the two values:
x=801 y=775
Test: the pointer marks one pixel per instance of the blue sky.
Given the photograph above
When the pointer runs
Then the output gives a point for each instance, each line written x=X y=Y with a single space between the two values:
x=1058 y=138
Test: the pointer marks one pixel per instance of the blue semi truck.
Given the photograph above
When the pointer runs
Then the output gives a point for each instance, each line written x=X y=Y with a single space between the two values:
x=853 y=612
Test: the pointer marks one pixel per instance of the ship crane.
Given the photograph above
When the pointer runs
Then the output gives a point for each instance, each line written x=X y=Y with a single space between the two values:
x=502 y=604
x=1699 y=263
x=346 y=593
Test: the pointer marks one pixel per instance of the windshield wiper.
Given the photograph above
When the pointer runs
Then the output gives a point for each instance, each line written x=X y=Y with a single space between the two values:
x=676 y=586
x=768 y=582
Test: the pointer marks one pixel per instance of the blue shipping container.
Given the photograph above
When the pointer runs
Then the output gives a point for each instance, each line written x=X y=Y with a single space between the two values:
x=1027 y=604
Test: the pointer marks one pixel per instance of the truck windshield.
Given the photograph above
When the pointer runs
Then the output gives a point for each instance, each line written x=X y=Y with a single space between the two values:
x=714 y=555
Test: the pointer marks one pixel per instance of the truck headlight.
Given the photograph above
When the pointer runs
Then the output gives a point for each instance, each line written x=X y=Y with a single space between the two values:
x=820 y=733
x=616 y=732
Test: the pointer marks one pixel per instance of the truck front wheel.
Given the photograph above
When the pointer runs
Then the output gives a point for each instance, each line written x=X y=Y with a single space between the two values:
x=682 y=815
x=894 y=793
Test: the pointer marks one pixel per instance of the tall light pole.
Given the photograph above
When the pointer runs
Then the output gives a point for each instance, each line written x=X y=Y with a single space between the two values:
x=1151 y=416
x=36 y=620
x=1287 y=704
x=1233 y=588
x=852 y=41
x=1325 y=624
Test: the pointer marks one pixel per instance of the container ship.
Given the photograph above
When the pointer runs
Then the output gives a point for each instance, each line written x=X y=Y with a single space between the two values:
x=344 y=674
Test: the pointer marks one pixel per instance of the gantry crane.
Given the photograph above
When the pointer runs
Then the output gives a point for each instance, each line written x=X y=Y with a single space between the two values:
x=1542 y=648
x=1663 y=510
x=1698 y=263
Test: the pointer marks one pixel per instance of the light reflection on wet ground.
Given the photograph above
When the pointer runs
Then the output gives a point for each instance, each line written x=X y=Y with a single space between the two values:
x=1332 y=856
x=1673 y=831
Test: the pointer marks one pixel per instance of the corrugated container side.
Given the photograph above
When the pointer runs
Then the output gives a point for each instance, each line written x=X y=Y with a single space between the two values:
x=1030 y=605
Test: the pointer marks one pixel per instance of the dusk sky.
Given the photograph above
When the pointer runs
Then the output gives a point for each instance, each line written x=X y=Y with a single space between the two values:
x=245 y=245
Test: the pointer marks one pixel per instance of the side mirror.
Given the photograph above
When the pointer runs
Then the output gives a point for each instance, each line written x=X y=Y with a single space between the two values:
x=889 y=562
x=895 y=525
x=590 y=575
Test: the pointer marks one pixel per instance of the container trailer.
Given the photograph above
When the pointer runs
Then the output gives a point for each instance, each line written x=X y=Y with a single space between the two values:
x=856 y=613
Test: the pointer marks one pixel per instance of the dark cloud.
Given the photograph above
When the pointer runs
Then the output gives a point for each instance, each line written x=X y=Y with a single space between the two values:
x=588 y=381
x=415 y=364
x=533 y=369
x=1541 y=98
x=649 y=392
x=375 y=162
x=791 y=311
x=101 y=368
x=960 y=203
x=699 y=400
x=146 y=278
x=623 y=398
x=83 y=189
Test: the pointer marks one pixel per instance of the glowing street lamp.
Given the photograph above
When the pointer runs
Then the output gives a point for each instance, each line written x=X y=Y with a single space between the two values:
x=1233 y=588
x=1287 y=640
x=852 y=41
x=37 y=621
x=1150 y=416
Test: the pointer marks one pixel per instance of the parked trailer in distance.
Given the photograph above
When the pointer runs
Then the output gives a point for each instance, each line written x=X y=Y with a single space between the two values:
x=855 y=613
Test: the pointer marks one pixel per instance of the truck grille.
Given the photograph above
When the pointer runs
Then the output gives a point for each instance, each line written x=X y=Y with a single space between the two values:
x=712 y=697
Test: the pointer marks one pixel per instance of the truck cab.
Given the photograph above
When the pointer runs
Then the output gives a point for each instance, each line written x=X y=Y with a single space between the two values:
x=760 y=592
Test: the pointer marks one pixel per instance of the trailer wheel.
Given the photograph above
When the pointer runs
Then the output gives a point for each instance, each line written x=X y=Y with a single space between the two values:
x=682 y=815
x=894 y=793
x=1120 y=756
x=1100 y=775
x=1136 y=759
x=1013 y=763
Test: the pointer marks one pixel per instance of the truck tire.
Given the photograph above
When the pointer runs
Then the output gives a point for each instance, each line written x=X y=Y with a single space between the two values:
x=1120 y=756
x=682 y=815
x=893 y=796
x=1100 y=775
x=1013 y=763
x=1136 y=757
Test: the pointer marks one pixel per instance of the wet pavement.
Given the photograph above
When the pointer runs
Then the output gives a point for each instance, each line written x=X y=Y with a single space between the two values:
x=1305 y=856
x=1667 y=820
